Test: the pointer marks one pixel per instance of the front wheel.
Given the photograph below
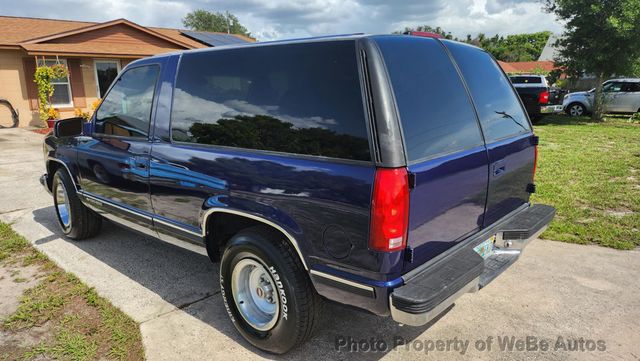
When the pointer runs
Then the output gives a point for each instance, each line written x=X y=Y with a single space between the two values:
x=76 y=220
x=266 y=290
x=576 y=110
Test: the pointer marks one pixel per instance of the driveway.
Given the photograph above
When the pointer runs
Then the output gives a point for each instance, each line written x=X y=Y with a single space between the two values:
x=560 y=294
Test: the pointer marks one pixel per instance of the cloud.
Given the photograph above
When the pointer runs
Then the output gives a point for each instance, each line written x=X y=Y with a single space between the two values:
x=281 y=19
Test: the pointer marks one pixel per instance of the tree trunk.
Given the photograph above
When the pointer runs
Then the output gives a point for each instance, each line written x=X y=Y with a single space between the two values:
x=598 y=100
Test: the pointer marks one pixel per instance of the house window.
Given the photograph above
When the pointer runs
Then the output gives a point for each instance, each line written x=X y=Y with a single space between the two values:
x=61 y=86
x=106 y=73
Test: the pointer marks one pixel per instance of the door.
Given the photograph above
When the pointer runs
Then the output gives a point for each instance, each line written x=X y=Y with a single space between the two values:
x=443 y=144
x=613 y=96
x=629 y=98
x=106 y=72
x=507 y=131
x=114 y=160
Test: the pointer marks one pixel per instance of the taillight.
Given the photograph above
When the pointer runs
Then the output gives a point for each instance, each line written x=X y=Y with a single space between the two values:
x=543 y=97
x=389 y=210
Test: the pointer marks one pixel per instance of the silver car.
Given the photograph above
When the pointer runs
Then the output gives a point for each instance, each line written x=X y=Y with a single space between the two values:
x=620 y=96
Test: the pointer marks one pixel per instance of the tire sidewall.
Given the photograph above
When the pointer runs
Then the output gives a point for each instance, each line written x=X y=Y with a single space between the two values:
x=283 y=335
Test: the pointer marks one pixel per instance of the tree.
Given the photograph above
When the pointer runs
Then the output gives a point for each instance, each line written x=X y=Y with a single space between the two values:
x=601 y=37
x=520 y=47
x=427 y=28
x=203 y=20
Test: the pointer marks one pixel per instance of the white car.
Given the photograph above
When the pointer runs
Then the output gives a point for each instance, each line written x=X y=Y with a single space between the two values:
x=620 y=96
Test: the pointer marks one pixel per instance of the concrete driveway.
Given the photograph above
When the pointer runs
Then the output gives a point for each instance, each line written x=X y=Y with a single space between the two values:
x=566 y=295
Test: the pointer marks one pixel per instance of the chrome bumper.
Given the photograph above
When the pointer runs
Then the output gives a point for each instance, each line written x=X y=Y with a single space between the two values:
x=417 y=302
x=551 y=109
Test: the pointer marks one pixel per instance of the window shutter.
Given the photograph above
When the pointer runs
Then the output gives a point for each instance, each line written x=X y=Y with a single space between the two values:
x=77 y=85
x=29 y=65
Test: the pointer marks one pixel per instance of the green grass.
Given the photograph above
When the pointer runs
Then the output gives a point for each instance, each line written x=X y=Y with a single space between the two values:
x=82 y=325
x=591 y=173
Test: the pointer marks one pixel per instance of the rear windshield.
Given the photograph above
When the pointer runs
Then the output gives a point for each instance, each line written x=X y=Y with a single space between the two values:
x=435 y=111
x=293 y=98
x=499 y=109
x=526 y=80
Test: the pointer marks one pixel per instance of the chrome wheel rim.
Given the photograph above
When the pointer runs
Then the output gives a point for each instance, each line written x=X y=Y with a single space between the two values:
x=62 y=204
x=255 y=295
x=576 y=110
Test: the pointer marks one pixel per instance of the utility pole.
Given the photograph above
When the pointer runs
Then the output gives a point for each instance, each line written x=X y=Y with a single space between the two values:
x=228 y=23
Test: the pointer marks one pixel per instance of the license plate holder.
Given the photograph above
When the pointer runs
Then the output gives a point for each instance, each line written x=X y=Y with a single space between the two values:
x=486 y=248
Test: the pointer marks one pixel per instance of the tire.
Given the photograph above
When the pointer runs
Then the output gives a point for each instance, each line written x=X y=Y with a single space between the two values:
x=576 y=110
x=75 y=219
x=261 y=251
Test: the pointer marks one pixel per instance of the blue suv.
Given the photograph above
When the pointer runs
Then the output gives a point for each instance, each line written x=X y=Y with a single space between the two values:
x=391 y=173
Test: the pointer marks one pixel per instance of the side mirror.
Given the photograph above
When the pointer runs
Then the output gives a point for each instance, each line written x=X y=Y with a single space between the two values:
x=68 y=127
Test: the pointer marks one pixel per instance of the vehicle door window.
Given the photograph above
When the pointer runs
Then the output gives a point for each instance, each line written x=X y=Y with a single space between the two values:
x=631 y=87
x=612 y=87
x=435 y=111
x=293 y=98
x=126 y=110
x=499 y=109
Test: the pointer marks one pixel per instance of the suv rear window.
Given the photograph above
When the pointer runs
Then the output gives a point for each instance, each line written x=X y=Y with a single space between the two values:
x=435 y=111
x=526 y=80
x=294 y=98
x=499 y=109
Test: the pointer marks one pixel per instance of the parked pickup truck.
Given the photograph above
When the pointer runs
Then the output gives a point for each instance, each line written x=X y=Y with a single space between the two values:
x=537 y=96
x=391 y=173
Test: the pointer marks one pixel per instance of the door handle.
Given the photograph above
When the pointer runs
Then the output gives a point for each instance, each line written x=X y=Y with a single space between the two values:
x=498 y=168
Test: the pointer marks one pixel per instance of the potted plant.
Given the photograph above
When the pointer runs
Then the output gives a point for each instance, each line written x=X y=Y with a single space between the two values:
x=52 y=117
x=43 y=76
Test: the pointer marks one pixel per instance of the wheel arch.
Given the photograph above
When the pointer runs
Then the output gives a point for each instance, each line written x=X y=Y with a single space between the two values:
x=52 y=166
x=220 y=224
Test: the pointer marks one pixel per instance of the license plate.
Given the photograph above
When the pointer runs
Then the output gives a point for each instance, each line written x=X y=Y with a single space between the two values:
x=485 y=249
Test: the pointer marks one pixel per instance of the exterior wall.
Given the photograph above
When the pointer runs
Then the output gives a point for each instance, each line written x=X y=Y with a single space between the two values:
x=13 y=87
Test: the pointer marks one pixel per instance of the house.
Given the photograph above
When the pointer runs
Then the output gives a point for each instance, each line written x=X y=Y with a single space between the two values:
x=94 y=53
x=549 y=52
x=518 y=67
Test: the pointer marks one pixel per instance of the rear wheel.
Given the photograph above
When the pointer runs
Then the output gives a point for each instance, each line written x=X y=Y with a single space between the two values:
x=266 y=290
x=76 y=220
x=576 y=110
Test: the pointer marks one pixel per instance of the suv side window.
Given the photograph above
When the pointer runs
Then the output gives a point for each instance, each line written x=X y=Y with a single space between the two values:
x=435 y=110
x=612 y=87
x=293 y=98
x=501 y=114
x=126 y=110
x=631 y=87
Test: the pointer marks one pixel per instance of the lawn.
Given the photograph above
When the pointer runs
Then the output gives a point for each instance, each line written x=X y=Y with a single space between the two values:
x=591 y=173
x=60 y=317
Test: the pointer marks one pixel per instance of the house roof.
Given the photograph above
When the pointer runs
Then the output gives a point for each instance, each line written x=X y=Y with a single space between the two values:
x=44 y=36
x=526 y=66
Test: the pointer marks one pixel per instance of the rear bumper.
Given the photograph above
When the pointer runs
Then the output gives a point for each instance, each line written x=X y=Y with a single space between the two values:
x=551 y=109
x=434 y=287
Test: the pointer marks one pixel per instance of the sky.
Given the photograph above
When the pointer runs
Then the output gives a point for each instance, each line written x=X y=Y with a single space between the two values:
x=282 y=19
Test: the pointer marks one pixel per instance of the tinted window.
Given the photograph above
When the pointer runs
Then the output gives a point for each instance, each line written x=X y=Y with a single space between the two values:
x=300 y=98
x=436 y=113
x=126 y=110
x=631 y=87
x=526 y=80
x=499 y=109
